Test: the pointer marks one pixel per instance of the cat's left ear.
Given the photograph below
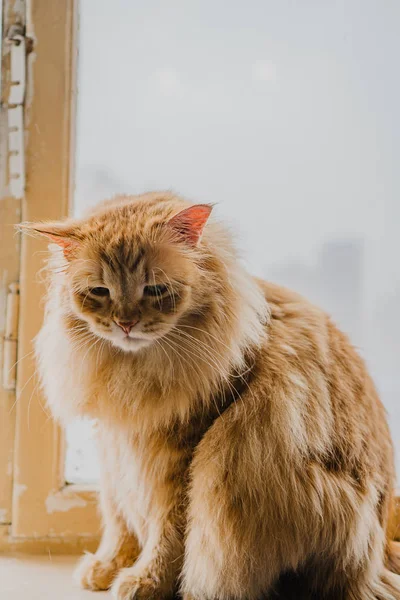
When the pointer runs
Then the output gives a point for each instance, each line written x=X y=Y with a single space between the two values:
x=62 y=234
x=190 y=222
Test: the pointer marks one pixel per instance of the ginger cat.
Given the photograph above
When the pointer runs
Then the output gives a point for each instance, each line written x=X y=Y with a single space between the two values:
x=242 y=443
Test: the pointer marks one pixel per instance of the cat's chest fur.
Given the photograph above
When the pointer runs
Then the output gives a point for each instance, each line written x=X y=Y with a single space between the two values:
x=125 y=471
x=144 y=471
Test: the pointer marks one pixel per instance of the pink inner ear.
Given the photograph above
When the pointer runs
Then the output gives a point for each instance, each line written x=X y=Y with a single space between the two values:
x=190 y=222
x=67 y=244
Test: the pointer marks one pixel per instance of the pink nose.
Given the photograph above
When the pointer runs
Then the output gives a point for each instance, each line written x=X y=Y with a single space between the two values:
x=126 y=326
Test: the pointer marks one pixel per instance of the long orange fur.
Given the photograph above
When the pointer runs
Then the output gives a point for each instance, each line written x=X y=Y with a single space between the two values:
x=243 y=447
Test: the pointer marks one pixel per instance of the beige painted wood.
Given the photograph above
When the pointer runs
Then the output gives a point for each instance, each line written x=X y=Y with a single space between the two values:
x=43 y=507
x=10 y=212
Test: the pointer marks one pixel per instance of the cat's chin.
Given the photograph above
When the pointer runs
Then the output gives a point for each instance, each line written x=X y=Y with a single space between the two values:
x=129 y=344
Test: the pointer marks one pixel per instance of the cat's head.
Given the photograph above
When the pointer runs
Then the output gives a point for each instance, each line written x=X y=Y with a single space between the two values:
x=132 y=269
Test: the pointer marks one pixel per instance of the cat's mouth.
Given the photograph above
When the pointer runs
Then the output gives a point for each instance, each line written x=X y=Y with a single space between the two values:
x=129 y=342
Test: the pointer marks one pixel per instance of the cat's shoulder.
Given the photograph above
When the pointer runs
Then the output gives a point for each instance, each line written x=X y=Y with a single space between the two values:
x=298 y=326
x=285 y=301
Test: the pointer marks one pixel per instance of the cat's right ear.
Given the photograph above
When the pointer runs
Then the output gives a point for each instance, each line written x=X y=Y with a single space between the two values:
x=63 y=235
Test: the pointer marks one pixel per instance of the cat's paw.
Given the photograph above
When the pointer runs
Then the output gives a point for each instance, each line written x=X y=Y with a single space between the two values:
x=94 y=574
x=130 y=587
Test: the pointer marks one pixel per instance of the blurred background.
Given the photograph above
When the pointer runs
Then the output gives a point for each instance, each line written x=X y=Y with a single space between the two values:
x=284 y=113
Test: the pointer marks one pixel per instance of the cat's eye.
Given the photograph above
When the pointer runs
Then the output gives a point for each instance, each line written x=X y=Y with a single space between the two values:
x=100 y=291
x=155 y=290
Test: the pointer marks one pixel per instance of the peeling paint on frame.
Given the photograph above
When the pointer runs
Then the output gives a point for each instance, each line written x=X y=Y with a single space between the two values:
x=19 y=489
x=4 y=515
x=60 y=502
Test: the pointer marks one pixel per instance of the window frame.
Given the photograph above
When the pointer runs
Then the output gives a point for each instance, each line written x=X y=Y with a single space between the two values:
x=10 y=209
x=42 y=511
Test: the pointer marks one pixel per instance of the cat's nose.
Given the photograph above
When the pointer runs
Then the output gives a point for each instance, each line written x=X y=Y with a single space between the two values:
x=126 y=326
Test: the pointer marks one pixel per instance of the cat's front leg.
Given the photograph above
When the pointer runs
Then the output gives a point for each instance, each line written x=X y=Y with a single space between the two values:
x=154 y=575
x=119 y=548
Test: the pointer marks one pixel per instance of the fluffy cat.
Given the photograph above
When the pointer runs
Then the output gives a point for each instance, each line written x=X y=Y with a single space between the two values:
x=243 y=447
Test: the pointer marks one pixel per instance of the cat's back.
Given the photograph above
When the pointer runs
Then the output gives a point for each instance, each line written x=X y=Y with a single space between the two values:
x=303 y=336
x=313 y=375
x=297 y=327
